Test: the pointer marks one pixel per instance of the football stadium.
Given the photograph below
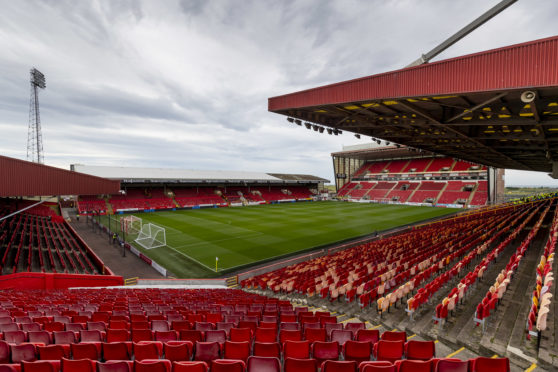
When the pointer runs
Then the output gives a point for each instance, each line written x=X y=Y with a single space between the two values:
x=410 y=258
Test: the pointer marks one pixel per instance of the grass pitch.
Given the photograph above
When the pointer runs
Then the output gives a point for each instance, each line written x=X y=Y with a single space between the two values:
x=246 y=235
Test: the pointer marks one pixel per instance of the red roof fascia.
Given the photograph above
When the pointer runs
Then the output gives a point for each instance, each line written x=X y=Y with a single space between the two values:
x=533 y=64
x=24 y=178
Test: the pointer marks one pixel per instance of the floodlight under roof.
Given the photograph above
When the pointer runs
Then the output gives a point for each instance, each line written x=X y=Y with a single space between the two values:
x=290 y=120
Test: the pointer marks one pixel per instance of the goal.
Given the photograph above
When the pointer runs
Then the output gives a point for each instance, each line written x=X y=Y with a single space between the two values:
x=131 y=224
x=152 y=236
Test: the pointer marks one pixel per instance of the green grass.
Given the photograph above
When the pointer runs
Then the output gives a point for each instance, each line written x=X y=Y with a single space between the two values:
x=246 y=235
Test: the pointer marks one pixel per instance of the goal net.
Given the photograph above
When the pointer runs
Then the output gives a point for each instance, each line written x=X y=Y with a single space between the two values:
x=131 y=224
x=152 y=236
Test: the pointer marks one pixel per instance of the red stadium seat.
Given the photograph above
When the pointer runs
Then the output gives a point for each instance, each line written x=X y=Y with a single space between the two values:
x=237 y=350
x=370 y=335
x=40 y=366
x=482 y=364
x=51 y=352
x=152 y=365
x=267 y=349
x=394 y=336
x=377 y=366
x=414 y=365
x=296 y=349
x=452 y=365
x=115 y=366
x=265 y=335
x=15 y=337
x=115 y=351
x=240 y=334
x=216 y=335
x=78 y=365
x=339 y=366
x=190 y=335
x=263 y=364
x=358 y=351
x=207 y=351
x=389 y=350
x=289 y=335
x=300 y=365
x=315 y=334
x=142 y=335
x=227 y=365
x=40 y=337
x=420 y=350
x=4 y=352
x=85 y=351
x=178 y=350
x=147 y=350
x=189 y=366
x=354 y=326
x=23 y=352
x=322 y=351
x=341 y=336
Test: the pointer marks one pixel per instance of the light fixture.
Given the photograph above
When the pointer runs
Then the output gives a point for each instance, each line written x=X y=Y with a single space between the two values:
x=378 y=141
x=329 y=131
x=321 y=129
x=357 y=135
x=336 y=131
x=308 y=125
x=387 y=143
x=290 y=120
x=298 y=122
x=315 y=127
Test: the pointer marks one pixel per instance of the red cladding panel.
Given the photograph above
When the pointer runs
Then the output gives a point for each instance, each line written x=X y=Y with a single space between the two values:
x=23 y=178
x=528 y=65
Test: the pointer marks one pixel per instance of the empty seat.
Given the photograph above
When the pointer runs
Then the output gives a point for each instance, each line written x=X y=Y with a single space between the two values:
x=452 y=365
x=227 y=365
x=4 y=352
x=414 y=365
x=207 y=351
x=147 y=350
x=377 y=366
x=267 y=349
x=178 y=350
x=237 y=350
x=300 y=365
x=339 y=366
x=40 y=337
x=64 y=337
x=358 y=351
x=322 y=351
x=315 y=334
x=203 y=326
x=296 y=349
x=23 y=352
x=152 y=365
x=265 y=335
x=341 y=335
x=15 y=337
x=78 y=365
x=190 y=335
x=165 y=336
x=389 y=350
x=115 y=366
x=394 y=336
x=91 y=336
x=240 y=334
x=482 y=364
x=216 y=335
x=187 y=366
x=118 y=335
x=142 y=335
x=85 y=351
x=52 y=352
x=289 y=335
x=115 y=351
x=263 y=364
x=420 y=350
x=370 y=335
x=354 y=326
x=40 y=366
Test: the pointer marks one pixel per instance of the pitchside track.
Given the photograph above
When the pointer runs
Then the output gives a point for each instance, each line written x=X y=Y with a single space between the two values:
x=246 y=235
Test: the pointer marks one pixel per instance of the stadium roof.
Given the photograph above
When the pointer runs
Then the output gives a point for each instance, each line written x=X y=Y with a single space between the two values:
x=475 y=107
x=23 y=178
x=386 y=152
x=145 y=175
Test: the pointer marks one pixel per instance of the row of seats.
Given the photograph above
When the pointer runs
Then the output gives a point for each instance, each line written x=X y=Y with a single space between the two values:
x=541 y=298
x=414 y=166
x=260 y=364
x=463 y=257
x=496 y=292
x=155 y=198
x=393 y=351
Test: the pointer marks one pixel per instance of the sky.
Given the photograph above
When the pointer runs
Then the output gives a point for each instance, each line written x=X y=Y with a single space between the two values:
x=184 y=84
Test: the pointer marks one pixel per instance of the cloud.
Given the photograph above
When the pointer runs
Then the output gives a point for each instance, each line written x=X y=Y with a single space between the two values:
x=184 y=84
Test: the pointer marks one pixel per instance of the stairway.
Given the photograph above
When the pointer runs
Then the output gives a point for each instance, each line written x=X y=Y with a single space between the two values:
x=109 y=206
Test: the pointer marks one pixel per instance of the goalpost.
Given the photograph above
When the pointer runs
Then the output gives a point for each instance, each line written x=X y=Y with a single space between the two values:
x=131 y=224
x=152 y=236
